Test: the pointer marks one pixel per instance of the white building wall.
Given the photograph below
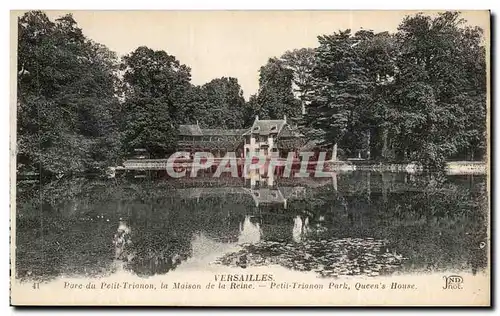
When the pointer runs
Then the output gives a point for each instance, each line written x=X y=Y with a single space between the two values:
x=255 y=146
x=252 y=147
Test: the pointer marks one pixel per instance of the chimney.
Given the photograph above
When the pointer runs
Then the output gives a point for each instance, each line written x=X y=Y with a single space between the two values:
x=197 y=122
x=256 y=117
x=284 y=118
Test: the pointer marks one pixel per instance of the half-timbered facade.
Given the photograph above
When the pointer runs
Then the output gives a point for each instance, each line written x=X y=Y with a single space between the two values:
x=271 y=138
x=217 y=141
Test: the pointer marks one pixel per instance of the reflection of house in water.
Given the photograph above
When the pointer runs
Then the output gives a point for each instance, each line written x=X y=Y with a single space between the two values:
x=268 y=196
x=266 y=211
x=264 y=204
x=265 y=191
x=275 y=222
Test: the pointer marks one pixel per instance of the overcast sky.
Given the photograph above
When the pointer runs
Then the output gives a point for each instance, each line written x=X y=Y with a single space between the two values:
x=230 y=43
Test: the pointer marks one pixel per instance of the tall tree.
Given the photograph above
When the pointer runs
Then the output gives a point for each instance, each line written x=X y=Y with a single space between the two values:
x=439 y=93
x=275 y=98
x=341 y=92
x=301 y=62
x=377 y=53
x=67 y=104
x=156 y=100
x=224 y=105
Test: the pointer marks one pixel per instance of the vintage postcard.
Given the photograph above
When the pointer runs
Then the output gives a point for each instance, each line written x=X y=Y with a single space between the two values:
x=250 y=158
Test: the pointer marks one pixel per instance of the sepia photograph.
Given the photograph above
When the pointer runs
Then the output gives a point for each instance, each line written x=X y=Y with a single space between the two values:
x=250 y=158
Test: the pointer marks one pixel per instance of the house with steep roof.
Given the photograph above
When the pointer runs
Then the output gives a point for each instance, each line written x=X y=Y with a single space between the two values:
x=218 y=141
x=271 y=138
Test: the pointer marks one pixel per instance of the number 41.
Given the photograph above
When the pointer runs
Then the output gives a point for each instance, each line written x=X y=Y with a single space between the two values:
x=36 y=286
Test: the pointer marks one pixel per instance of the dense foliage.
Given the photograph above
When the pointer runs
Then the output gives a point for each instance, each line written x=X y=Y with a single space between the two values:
x=275 y=98
x=156 y=85
x=67 y=105
x=220 y=104
x=416 y=95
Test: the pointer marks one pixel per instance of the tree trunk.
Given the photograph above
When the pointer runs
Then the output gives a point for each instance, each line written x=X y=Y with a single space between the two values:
x=385 y=150
x=334 y=152
x=368 y=144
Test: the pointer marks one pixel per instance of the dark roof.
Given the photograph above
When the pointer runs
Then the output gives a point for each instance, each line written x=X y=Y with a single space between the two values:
x=193 y=130
x=265 y=127
x=267 y=196
x=262 y=127
x=223 y=132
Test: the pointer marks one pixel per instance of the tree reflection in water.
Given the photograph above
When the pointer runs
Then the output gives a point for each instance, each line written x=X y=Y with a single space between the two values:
x=437 y=223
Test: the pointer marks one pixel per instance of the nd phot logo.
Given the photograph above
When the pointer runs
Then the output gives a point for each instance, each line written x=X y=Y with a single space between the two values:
x=453 y=282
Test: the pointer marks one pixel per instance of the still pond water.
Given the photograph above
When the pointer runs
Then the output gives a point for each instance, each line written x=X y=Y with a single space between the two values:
x=357 y=223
